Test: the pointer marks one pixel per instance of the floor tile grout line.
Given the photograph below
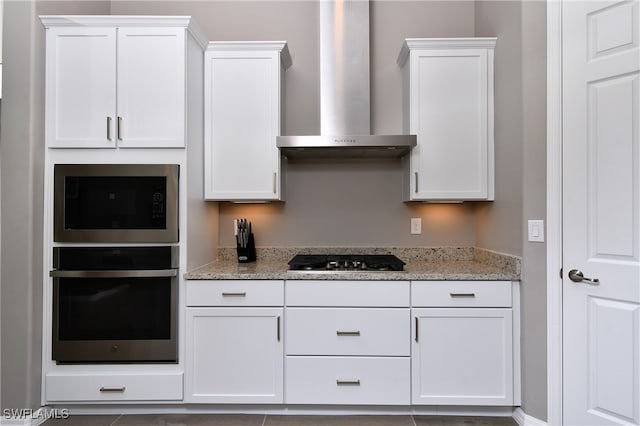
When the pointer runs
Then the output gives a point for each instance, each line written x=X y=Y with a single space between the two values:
x=413 y=420
x=264 y=420
x=116 y=420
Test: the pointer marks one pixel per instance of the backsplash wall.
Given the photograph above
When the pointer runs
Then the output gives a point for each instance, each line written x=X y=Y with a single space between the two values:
x=349 y=203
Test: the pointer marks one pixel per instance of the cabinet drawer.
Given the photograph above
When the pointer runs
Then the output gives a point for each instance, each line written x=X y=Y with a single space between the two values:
x=347 y=380
x=347 y=331
x=348 y=293
x=235 y=293
x=461 y=294
x=127 y=387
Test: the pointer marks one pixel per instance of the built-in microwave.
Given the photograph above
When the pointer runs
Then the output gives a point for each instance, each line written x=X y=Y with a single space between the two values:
x=120 y=203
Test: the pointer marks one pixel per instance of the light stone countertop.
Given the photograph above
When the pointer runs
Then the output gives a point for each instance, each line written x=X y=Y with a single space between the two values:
x=433 y=264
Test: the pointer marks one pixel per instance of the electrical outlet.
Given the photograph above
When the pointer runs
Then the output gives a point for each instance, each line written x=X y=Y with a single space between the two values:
x=416 y=225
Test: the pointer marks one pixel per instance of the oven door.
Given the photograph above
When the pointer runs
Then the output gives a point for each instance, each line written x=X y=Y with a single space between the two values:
x=115 y=316
x=116 y=203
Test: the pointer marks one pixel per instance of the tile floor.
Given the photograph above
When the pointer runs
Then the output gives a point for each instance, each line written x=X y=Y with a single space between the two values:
x=273 y=420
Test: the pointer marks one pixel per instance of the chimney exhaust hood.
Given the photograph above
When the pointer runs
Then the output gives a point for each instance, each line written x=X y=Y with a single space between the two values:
x=345 y=129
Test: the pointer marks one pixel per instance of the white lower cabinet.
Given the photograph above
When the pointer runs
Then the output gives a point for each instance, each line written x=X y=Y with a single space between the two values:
x=340 y=354
x=348 y=380
x=88 y=387
x=234 y=354
x=440 y=343
x=462 y=355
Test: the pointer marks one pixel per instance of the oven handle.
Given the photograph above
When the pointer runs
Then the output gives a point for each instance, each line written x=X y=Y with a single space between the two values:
x=151 y=273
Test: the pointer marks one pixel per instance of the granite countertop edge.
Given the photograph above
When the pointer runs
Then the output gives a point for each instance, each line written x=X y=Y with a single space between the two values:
x=482 y=266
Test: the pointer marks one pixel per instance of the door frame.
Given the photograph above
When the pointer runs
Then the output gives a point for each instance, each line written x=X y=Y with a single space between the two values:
x=554 y=212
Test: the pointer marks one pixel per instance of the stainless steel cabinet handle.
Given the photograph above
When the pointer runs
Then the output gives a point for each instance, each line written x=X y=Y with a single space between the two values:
x=108 y=128
x=275 y=182
x=240 y=294
x=119 y=129
x=278 y=327
x=348 y=333
x=355 y=382
x=462 y=294
x=112 y=389
x=416 y=182
x=578 y=277
x=416 y=329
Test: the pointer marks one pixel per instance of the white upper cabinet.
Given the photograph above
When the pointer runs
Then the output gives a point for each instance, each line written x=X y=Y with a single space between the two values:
x=243 y=83
x=449 y=106
x=116 y=81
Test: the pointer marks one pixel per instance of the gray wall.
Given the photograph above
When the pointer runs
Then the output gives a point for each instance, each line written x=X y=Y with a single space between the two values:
x=534 y=130
x=520 y=171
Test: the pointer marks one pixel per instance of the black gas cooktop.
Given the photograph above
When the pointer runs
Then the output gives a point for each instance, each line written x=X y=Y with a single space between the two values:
x=346 y=263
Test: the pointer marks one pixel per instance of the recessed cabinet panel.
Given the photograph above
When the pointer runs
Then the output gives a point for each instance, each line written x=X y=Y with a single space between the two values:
x=348 y=331
x=242 y=121
x=151 y=88
x=113 y=388
x=348 y=380
x=449 y=101
x=462 y=356
x=234 y=355
x=81 y=87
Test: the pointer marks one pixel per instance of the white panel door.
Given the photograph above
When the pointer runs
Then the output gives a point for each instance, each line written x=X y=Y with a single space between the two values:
x=242 y=107
x=151 y=87
x=234 y=355
x=462 y=356
x=81 y=87
x=601 y=166
x=449 y=116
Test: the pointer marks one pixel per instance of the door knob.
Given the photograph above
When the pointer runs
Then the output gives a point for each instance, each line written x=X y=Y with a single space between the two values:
x=578 y=277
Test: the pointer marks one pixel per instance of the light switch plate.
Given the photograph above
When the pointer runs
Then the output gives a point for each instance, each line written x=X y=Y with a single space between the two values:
x=536 y=231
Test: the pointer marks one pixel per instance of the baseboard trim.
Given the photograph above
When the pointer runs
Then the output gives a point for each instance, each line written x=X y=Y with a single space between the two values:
x=523 y=419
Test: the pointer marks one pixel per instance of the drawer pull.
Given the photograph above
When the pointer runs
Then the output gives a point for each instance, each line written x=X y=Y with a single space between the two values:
x=112 y=389
x=243 y=294
x=416 y=329
x=348 y=333
x=462 y=294
x=355 y=382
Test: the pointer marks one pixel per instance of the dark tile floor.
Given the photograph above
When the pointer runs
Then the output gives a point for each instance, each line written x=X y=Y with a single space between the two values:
x=272 y=420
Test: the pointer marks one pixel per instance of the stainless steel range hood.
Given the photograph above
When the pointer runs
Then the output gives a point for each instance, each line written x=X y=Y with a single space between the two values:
x=345 y=113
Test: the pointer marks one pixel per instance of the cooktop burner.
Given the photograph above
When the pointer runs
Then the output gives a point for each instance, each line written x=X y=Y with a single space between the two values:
x=345 y=263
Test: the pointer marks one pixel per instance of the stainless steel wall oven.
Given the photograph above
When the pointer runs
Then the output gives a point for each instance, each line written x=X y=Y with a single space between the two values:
x=115 y=304
x=132 y=203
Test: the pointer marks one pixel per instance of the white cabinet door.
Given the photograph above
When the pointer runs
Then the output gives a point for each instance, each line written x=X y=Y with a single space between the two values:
x=234 y=355
x=242 y=120
x=151 y=87
x=462 y=356
x=450 y=104
x=110 y=87
x=81 y=87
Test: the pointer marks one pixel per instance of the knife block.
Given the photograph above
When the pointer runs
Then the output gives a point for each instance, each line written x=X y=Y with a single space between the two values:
x=247 y=254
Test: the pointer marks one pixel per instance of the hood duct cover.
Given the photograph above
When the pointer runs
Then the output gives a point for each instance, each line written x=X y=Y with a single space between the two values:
x=345 y=111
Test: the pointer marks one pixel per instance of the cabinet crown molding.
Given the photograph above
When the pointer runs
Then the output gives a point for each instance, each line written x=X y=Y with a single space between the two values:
x=279 y=46
x=186 y=22
x=444 y=43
